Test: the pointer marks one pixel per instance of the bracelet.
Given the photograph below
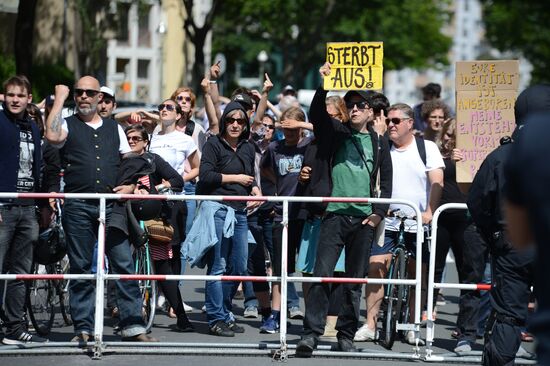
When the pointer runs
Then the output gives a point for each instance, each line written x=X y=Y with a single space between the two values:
x=212 y=81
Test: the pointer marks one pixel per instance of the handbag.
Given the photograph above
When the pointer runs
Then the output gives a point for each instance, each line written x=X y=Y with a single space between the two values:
x=159 y=231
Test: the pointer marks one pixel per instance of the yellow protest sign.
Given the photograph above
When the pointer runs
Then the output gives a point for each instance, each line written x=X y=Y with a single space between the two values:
x=485 y=96
x=354 y=65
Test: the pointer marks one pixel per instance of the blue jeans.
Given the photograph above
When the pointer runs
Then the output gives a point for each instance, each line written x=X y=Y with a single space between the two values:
x=18 y=232
x=80 y=221
x=189 y=189
x=227 y=257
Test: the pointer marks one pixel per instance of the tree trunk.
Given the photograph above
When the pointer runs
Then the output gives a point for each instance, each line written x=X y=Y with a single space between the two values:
x=24 y=28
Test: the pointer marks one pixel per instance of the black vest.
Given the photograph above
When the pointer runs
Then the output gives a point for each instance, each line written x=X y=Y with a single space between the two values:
x=90 y=157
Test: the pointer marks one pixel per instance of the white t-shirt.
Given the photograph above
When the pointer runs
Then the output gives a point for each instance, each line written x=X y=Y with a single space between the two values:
x=174 y=147
x=123 y=148
x=410 y=180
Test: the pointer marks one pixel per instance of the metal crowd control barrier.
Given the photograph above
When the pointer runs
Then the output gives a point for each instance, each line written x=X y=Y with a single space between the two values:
x=467 y=357
x=280 y=352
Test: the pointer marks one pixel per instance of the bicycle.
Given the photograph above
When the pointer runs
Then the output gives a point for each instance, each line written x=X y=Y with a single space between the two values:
x=147 y=288
x=44 y=298
x=396 y=296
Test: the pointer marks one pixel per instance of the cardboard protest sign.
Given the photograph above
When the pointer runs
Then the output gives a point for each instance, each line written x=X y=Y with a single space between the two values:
x=486 y=92
x=354 y=65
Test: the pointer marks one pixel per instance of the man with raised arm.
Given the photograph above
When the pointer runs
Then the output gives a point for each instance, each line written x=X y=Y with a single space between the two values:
x=358 y=155
x=91 y=148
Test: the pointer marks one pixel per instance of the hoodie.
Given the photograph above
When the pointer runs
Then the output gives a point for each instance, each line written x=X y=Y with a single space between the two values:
x=218 y=158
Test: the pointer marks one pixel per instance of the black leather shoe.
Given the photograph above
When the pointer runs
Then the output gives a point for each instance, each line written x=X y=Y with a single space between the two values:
x=305 y=347
x=236 y=328
x=345 y=345
x=184 y=325
x=221 y=329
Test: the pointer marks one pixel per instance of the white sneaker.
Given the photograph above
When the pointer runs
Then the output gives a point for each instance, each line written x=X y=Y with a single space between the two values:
x=365 y=334
x=412 y=341
x=161 y=301
x=187 y=308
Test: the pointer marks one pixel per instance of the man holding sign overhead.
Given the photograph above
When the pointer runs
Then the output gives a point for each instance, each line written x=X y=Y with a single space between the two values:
x=358 y=155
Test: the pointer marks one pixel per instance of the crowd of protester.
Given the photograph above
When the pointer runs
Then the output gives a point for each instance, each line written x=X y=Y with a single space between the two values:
x=358 y=145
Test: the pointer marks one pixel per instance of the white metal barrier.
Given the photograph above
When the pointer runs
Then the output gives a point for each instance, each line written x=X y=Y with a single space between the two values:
x=469 y=357
x=281 y=352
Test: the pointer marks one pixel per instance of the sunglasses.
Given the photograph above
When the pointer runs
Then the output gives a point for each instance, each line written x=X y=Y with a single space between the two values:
x=168 y=107
x=271 y=127
x=231 y=120
x=396 y=120
x=180 y=98
x=360 y=105
x=134 y=138
x=89 y=92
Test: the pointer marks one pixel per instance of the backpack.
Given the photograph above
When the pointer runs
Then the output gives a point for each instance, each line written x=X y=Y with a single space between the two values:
x=190 y=128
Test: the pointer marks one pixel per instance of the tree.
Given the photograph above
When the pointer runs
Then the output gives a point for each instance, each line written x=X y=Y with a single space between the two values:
x=197 y=36
x=522 y=27
x=299 y=29
x=24 y=29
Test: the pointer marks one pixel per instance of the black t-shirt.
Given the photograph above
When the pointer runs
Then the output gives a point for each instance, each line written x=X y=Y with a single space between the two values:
x=286 y=162
x=451 y=193
x=527 y=173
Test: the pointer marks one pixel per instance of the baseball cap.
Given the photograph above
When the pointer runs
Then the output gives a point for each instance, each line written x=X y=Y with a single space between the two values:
x=289 y=89
x=107 y=91
x=244 y=100
x=363 y=94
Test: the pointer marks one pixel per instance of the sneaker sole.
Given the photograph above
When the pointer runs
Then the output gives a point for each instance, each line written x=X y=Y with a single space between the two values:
x=267 y=331
x=15 y=342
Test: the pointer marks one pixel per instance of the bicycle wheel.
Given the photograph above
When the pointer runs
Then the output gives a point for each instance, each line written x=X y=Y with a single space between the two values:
x=148 y=288
x=62 y=267
x=40 y=302
x=394 y=300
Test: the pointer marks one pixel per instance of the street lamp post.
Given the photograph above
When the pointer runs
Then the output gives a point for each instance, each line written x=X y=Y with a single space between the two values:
x=262 y=59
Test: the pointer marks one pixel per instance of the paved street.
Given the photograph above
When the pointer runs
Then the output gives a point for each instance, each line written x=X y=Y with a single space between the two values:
x=203 y=354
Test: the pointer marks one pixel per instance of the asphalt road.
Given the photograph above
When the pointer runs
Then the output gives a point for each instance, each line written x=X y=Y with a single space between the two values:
x=203 y=349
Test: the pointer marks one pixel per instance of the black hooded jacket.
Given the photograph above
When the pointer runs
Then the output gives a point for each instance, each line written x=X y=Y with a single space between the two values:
x=218 y=158
x=487 y=191
x=330 y=134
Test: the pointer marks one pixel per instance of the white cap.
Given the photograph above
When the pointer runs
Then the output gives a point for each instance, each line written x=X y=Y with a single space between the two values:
x=106 y=90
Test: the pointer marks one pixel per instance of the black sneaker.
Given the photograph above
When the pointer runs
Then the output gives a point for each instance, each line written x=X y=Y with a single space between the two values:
x=221 y=329
x=23 y=338
x=236 y=328
x=305 y=347
x=345 y=345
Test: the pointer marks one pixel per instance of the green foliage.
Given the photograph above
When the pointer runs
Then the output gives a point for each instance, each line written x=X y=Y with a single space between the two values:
x=7 y=67
x=298 y=30
x=46 y=76
x=521 y=26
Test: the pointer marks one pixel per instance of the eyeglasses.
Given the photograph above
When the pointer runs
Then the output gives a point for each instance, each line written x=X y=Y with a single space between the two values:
x=169 y=107
x=231 y=120
x=89 y=92
x=134 y=138
x=396 y=120
x=360 y=105
x=271 y=127
x=180 y=98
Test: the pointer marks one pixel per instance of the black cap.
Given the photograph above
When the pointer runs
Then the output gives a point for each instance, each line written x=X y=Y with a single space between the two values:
x=363 y=94
x=244 y=100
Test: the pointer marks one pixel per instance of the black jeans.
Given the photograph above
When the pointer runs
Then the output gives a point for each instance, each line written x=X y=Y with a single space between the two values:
x=512 y=274
x=474 y=257
x=18 y=232
x=338 y=232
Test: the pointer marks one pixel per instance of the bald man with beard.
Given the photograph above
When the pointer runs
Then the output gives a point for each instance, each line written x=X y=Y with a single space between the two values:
x=91 y=148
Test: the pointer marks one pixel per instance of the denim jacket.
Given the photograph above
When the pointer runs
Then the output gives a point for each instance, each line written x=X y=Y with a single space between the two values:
x=202 y=235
